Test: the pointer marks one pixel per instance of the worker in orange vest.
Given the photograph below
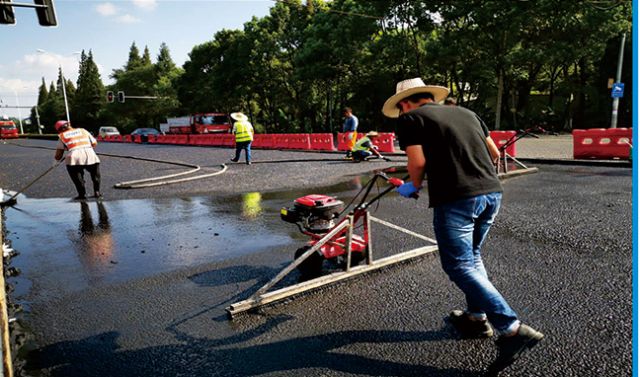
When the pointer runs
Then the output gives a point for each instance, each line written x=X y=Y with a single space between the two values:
x=79 y=144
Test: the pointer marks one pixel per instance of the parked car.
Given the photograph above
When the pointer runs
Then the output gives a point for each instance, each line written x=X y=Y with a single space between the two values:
x=108 y=131
x=144 y=133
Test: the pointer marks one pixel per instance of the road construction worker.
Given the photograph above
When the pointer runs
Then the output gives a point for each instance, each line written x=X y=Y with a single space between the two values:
x=365 y=148
x=79 y=144
x=350 y=127
x=243 y=130
x=453 y=147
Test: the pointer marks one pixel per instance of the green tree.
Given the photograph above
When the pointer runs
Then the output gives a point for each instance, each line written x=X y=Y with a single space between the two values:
x=90 y=95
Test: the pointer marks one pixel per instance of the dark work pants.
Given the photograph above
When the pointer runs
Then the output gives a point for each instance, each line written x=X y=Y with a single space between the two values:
x=246 y=145
x=76 y=172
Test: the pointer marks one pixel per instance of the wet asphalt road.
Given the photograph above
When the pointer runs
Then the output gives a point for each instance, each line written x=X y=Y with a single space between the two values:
x=560 y=252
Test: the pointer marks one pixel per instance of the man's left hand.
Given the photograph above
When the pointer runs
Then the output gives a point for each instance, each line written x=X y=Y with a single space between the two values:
x=408 y=190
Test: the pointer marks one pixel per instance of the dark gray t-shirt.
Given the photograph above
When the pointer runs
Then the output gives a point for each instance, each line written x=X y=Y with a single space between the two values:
x=453 y=139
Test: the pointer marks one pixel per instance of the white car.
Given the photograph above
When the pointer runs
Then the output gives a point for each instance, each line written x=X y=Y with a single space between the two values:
x=108 y=131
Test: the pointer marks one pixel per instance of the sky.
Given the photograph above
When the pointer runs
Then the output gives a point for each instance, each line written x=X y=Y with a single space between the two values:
x=107 y=28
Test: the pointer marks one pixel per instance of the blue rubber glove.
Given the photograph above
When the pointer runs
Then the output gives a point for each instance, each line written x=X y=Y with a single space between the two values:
x=407 y=190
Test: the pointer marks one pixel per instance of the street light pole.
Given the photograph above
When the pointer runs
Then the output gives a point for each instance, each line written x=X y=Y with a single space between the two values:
x=19 y=112
x=64 y=92
x=64 y=86
x=616 y=100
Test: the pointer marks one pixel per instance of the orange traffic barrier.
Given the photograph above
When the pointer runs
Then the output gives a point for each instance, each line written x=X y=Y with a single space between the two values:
x=322 y=142
x=601 y=143
x=501 y=138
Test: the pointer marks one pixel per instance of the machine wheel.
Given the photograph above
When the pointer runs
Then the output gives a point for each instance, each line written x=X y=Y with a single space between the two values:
x=357 y=258
x=312 y=266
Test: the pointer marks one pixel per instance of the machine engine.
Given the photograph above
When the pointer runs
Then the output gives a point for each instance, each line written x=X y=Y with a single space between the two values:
x=315 y=213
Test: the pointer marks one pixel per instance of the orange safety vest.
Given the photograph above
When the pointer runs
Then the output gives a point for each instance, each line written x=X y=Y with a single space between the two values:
x=76 y=138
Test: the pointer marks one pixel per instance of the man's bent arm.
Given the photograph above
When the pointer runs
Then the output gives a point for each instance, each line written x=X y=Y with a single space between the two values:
x=416 y=164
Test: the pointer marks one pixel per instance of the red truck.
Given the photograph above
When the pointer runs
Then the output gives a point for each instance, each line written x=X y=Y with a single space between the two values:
x=8 y=130
x=202 y=123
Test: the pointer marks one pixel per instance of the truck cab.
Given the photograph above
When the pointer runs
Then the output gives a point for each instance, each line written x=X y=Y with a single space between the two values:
x=8 y=130
x=207 y=123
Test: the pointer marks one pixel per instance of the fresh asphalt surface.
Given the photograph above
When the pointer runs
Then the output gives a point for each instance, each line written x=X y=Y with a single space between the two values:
x=560 y=252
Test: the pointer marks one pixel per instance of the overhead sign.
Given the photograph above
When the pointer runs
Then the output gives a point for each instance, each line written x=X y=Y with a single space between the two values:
x=618 y=90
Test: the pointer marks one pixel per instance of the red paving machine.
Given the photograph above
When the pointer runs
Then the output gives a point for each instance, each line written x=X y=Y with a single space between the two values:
x=332 y=238
x=318 y=215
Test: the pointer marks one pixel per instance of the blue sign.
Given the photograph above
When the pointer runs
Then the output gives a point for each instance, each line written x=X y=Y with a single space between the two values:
x=617 y=91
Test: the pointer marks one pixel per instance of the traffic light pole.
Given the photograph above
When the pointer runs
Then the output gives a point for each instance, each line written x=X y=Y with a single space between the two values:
x=44 y=9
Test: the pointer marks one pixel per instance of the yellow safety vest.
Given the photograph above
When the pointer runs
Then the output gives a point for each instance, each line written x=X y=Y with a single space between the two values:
x=243 y=131
x=359 y=145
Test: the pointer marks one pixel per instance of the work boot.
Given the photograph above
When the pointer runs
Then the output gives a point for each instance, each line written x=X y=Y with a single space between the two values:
x=469 y=328
x=233 y=159
x=511 y=347
x=248 y=162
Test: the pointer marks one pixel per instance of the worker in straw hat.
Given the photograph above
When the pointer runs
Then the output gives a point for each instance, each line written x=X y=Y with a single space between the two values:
x=452 y=146
x=366 y=148
x=243 y=130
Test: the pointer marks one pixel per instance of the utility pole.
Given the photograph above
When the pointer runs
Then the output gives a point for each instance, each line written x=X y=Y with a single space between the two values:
x=616 y=100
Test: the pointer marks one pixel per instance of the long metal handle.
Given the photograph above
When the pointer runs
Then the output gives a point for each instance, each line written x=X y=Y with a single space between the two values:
x=32 y=182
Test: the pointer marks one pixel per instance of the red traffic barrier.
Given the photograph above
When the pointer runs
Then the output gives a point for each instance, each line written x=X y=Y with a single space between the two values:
x=322 y=142
x=126 y=139
x=501 y=138
x=198 y=139
x=151 y=139
x=299 y=141
x=264 y=141
x=281 y=141
x=601 y=143
x=385 y=142
x=343 y=140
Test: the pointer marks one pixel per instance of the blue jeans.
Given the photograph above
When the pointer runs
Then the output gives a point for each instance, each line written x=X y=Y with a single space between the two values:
x=461 y=227
x=246 y=145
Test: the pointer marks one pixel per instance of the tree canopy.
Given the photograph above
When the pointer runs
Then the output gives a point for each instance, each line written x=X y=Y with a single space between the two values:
x=517 y=64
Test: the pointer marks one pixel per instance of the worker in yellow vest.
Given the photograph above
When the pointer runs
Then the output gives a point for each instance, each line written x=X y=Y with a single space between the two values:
x=243 y=130
x=79 y=144
x=365 y=148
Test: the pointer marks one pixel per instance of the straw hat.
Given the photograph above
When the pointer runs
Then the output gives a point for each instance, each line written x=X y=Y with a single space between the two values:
x=240 y=117
x=408 y=88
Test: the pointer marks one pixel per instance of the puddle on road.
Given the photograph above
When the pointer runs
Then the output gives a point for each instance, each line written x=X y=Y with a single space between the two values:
x=69 y=246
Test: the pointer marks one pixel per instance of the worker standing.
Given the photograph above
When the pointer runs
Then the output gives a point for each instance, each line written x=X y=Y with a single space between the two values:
x=350 y=127
x=243 y=130
x=453 y=147
x=79 y=144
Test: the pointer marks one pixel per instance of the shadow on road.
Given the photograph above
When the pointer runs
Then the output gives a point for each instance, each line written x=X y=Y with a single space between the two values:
x=99 y=356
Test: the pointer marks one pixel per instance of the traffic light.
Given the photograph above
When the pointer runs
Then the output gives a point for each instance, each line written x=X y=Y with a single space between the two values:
x=6 y=13
x=109 y=96
x=121 y=96
x=46 y=15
